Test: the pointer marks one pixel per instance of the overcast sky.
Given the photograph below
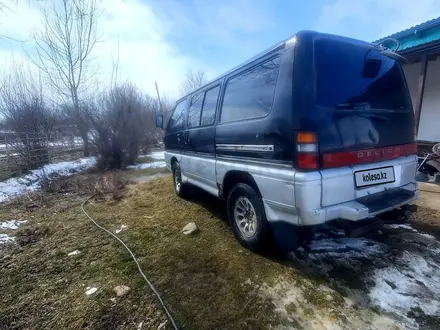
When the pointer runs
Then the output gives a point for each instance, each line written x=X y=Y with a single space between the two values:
x=159 y=40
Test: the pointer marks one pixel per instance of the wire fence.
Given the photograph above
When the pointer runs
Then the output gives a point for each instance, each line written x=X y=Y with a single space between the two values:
x=20 y=152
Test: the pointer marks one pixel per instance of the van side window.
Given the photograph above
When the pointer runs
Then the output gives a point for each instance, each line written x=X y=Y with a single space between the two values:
x=251 y=93
x=209 y=106
x=177 y=119
x=194 y=110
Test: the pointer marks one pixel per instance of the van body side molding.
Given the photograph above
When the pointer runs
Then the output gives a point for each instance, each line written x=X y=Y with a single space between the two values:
x=245 y=147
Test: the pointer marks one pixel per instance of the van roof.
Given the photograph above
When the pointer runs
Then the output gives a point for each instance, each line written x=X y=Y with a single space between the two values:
x=274 y=48
x=278 y=46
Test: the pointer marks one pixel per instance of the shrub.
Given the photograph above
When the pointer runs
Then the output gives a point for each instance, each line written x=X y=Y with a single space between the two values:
x=121 y=120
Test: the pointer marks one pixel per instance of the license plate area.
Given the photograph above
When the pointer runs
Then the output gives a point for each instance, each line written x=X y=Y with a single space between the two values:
x=374 y=176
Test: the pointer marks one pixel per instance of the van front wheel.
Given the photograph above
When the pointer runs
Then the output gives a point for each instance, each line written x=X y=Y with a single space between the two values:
x=247 y=218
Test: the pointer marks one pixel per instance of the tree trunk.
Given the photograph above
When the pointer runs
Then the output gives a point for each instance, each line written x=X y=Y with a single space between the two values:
x=85 y=138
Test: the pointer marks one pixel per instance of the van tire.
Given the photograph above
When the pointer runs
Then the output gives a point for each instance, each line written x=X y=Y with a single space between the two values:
x=179 y=187
x=257 y=240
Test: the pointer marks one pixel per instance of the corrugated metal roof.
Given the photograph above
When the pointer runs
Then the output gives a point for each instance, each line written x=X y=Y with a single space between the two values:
x=410 y=31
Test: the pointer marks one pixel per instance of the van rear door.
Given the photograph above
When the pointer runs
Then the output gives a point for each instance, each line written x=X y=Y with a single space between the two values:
x=362 y=100
x=363 y=118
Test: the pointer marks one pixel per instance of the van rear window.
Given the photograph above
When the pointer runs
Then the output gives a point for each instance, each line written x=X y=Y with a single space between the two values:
x=351 y=76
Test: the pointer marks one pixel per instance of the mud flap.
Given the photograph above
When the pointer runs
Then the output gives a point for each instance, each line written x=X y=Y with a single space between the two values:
x=285 y=236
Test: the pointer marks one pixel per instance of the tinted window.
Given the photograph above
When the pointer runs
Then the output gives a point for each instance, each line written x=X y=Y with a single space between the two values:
x=351 y=76
x=209 y=105
x=194 y=110
x=177 y=119
x=250 y=94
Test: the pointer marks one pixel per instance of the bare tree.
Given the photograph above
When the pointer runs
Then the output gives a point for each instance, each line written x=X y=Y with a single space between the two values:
x=6 y=5
x=193 y=80
x=28 y=115
x=22 y=102
x=6 y=8
x=63 y=52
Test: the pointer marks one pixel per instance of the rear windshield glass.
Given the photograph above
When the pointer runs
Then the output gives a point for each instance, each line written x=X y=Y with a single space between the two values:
x=350 y=76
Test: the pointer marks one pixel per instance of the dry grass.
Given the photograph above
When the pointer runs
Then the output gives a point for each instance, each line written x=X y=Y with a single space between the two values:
x=208 y=280
x=45 y=288
x=138 y=175
x=202 y=278
x=145 y=159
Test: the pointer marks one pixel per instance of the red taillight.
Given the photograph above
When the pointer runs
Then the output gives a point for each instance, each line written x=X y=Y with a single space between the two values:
x=307 y=151
x=337 y=159
x=308 y=161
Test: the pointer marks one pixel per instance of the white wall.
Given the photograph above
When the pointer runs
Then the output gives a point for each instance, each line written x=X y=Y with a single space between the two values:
x=429 y=128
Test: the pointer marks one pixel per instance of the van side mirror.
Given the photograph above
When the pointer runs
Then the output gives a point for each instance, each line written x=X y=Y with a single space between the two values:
x=159 y=121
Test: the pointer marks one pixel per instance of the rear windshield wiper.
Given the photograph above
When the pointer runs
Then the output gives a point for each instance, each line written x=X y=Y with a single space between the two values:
x=354 y=106
x=372 y=116
x=362 y=109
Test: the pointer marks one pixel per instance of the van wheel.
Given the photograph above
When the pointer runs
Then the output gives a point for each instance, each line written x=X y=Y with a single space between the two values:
x=179 y=187
x=247 y=218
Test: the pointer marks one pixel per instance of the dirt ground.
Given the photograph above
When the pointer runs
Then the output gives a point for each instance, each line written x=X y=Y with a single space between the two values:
x=429 y=197
x=388 y=278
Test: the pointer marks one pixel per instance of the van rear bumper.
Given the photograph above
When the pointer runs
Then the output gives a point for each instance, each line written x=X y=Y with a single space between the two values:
x=331 y=194
x=362 y=208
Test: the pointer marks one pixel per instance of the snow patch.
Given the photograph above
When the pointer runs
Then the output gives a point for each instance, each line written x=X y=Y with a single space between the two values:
x=11 y=224
x=147 y=165
x=397 y=226
x=4 y=239
x=32 y=181
x=408 y=227
x=291 y=304
x=398 y=277
x=90 y=290
x=345 y=248
x=158 y=155
x=427 y=236
x=416 y=284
